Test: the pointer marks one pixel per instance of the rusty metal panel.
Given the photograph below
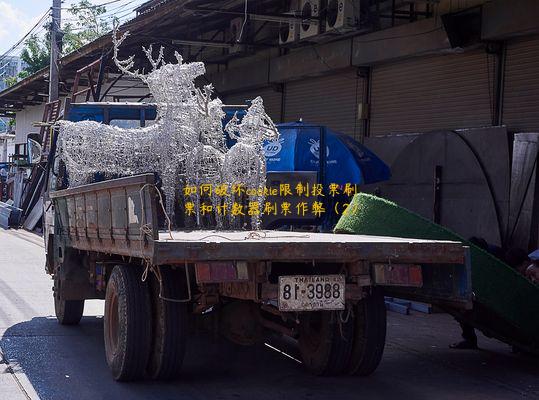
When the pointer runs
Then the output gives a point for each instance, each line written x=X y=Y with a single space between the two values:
x=239 y=290
x=294 y=246
x=80 y=216
x=109 y=216
x=398 y=275
x=118 y=201
x=71 y=216
x=524 y=211
x=134 y=211
x=521 y=89
x=271 y=97
x=330 y=100
x=104 y=218
x=91 y=215
x=432 y=93
x=62 y=213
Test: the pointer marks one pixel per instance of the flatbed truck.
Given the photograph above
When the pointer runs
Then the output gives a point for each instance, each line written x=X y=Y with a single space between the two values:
x=104 y=241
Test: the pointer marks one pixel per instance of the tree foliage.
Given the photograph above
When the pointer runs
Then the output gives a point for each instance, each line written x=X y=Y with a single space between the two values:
x=36 y=53
x=88 y=26
x=10 y=80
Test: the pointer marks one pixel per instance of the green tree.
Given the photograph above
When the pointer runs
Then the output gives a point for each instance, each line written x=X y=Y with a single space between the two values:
x=36 y=53
x=88 y=26
x=10 y=81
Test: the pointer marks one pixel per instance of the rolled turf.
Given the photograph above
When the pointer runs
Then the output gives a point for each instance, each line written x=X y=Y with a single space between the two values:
x=495 y=285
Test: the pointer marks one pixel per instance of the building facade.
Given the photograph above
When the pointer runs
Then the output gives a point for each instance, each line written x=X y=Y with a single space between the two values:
x=10 y=66
x=441 y=90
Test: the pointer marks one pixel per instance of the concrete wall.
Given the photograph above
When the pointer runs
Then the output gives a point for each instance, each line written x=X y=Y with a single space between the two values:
x=24 y=120
x=7 y=147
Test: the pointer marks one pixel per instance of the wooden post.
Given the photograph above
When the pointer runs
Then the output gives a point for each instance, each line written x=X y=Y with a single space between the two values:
x=55 y=50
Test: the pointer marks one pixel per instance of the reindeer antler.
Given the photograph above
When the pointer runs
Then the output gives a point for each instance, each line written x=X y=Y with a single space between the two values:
x=179 y=57
x=232 y=127
x=204 y=98
x=123 y=65
x=149 y=51
x=270 y=131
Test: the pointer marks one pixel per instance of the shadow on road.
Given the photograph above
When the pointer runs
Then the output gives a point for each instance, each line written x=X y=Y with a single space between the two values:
x=69 y=363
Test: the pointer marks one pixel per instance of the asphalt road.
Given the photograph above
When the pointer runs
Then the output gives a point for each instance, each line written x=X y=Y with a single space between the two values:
x=41 y=359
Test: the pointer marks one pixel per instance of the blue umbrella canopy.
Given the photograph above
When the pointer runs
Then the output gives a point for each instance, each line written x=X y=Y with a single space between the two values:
x=347 y=161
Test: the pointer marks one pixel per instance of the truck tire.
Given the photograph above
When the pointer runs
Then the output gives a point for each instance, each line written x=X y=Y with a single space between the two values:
x=369 y=334
x=325 y=342
x=127 y=323
x=68 y=312
x=169 y=325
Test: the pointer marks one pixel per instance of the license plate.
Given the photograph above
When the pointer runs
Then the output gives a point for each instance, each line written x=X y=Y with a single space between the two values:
x=311 y=292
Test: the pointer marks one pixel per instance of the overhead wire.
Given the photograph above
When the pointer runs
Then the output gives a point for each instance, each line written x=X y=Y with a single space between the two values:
x=109 y=16
x=94 y=5
x=37 y=25
x=245 y=16
x=110 y=13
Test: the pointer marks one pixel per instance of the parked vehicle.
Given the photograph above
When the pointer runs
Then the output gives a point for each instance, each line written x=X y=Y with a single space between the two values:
x=103 y=241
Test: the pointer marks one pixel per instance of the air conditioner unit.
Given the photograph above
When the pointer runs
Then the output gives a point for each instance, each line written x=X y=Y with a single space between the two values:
x=342 y=15
x=233 y=34
x=289 y=31
x=309 y=9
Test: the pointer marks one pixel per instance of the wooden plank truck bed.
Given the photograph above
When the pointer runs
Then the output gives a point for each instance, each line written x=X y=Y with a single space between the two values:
x=107 y=233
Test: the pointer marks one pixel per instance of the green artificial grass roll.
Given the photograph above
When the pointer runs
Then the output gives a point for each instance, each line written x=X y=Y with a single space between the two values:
x=496 y=286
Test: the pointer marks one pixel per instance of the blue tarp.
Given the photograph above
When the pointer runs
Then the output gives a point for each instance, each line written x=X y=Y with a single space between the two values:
x=347 y=161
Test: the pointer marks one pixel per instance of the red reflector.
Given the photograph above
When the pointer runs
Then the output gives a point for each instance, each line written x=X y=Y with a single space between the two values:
x=398 y=275
x=416 y=277
x=219 y=271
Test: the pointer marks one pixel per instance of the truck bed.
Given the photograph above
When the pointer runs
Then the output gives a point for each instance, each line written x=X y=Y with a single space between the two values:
x=119 y=216
x=203 y=245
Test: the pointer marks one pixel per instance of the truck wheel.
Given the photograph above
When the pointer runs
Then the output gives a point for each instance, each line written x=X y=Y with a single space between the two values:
x=169 y=326
x=325 y=342
x=127 y=323
x=68 y=312
x=369 y=334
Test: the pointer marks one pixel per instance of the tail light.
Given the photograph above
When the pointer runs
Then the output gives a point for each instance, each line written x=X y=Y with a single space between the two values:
x=221 y=271
x=398 y=275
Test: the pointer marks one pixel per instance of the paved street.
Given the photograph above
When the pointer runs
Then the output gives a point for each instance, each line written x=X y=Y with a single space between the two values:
x=42 y=359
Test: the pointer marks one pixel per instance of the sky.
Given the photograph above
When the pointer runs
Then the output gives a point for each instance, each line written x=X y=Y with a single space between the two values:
x=18 y=16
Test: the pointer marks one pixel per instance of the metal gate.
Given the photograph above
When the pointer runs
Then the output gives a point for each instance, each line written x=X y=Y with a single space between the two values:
x=330 y=100
x=521 y=89
x=434 y=92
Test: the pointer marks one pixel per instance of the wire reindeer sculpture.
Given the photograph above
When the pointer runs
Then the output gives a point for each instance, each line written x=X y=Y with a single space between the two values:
x=245 y=162
x=185 y=145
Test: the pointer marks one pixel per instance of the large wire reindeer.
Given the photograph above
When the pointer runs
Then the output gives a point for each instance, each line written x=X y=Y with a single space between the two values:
x=185 y=145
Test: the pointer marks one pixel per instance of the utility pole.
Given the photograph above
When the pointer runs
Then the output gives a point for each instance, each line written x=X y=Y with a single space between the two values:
x=55 y=50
